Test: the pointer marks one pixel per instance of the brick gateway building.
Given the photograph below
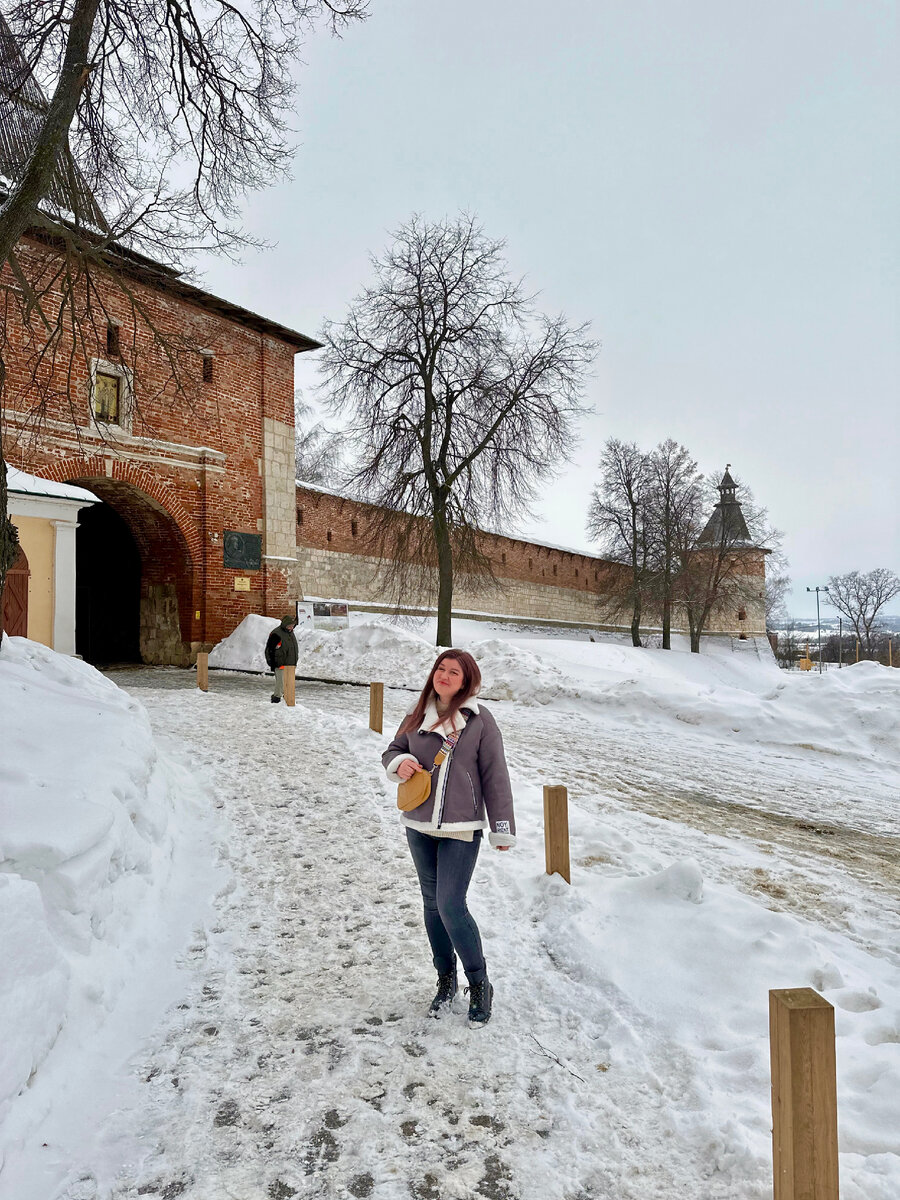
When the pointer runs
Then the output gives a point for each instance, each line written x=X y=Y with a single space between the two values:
x=196 y=480
x=198 y=492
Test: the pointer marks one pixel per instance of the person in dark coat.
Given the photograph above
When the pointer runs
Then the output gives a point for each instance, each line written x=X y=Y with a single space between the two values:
x=281 y=652
x=470 y=794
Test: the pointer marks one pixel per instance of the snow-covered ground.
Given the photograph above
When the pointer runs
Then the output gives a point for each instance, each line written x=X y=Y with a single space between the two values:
x=733 y=829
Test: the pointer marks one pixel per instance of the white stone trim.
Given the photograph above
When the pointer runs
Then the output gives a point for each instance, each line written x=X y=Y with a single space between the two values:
x=63 y=516
x=87 y=440
x=64 y=587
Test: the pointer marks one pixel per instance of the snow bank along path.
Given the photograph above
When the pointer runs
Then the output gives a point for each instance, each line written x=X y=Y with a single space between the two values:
x=93 y=823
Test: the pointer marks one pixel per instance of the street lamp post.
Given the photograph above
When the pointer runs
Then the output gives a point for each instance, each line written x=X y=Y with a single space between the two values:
x=819 y=620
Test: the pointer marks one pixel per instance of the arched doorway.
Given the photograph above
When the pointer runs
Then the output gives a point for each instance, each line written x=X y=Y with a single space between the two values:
x=15 y=597
x=135 y=578
x=108 y=588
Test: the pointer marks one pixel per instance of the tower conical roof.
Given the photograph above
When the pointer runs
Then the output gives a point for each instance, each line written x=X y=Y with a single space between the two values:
x=727 y=525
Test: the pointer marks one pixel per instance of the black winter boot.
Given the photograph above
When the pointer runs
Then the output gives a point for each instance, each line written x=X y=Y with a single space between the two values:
x=275 y=699
x=481 y=996
x=447 y=989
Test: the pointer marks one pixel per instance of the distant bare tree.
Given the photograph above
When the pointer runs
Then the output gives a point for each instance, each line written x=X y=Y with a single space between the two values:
x=788 y=647
x=859 y=598
x=317 y=451
x=675 y=512
x=778 y=585
x=462 y=399
x=160 y=118
x=619 y=519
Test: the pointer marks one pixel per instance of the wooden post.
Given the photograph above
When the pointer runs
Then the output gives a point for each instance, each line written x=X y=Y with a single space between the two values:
x=376 y=706
x=556 y=831
x=289 y=690
x=203 y=671
x=804 y=1095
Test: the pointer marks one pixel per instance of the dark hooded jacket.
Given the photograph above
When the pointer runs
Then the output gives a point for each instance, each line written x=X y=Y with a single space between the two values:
x=281 y=648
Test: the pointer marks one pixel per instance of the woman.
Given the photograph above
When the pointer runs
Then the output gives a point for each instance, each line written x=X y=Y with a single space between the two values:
x=470 y=792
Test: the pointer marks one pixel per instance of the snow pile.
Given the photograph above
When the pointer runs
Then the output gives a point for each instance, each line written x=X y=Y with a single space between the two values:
x=697 y=961
x=719 y=693
x=243 y=649
x=361 y=654
x=83 y=817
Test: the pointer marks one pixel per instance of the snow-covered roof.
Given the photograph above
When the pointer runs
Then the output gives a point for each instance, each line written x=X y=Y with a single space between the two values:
x=512 y=537
x=23 y=484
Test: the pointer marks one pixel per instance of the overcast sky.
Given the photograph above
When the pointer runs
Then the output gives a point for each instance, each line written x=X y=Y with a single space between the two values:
x=713 y=185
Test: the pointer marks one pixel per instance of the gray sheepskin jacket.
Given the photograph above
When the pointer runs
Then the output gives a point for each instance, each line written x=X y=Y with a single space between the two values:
x=471 y=789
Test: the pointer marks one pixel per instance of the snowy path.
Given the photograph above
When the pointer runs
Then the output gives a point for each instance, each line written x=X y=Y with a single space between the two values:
x=301 y=1063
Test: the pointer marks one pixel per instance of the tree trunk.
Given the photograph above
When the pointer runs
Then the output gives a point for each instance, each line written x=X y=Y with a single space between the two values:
x=636 y=621
x=666 y=620
x=20 y=208
x=9 y=539
x=695 y=639
x=445 y=576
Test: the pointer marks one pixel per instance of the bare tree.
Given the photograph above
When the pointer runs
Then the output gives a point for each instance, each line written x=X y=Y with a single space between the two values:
x=619 y=519
x=859 y=598
x=462 y=398
x=160 y=118
x=317 y=450
x=675 y=508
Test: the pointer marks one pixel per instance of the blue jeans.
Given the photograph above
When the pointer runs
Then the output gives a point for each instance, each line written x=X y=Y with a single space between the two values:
x=444 y=867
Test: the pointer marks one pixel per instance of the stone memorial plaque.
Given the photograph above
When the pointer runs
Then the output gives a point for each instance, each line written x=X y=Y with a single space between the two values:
x=243 y=551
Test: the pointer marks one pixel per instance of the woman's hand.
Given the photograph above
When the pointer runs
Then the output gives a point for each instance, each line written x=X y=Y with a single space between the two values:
x=503 y=847
x=408 y=768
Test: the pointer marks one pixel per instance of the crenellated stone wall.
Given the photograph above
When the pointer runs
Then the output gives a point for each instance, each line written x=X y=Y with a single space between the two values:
x=534 y=581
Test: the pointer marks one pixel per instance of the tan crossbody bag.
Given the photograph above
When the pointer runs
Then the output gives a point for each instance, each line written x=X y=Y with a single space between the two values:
x=413 y=792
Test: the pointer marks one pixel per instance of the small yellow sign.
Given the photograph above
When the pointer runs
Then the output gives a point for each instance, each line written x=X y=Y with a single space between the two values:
x=242 y=583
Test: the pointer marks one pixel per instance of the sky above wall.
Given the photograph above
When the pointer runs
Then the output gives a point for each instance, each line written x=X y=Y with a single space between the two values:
x=714 y=186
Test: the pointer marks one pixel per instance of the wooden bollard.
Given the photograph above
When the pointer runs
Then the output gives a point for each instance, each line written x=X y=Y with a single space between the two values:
x=203 y=671
x=376 y=706
x=290 y=692
x=804 y=1095
x=556 y=831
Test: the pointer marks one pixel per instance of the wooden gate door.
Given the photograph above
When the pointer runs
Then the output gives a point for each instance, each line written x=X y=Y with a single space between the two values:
x=15 y=598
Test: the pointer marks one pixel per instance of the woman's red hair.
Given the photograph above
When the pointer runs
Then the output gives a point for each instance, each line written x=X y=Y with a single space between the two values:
x=470 y=687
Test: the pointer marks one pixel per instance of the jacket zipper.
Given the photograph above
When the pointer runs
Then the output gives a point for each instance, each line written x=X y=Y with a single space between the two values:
x=444 y=791
x=474 y=801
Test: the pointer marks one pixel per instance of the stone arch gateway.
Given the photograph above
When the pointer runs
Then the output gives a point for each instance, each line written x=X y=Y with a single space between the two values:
x=137 y=585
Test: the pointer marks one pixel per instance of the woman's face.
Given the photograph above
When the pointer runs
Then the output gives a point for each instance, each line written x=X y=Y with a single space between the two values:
x=448 y=679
